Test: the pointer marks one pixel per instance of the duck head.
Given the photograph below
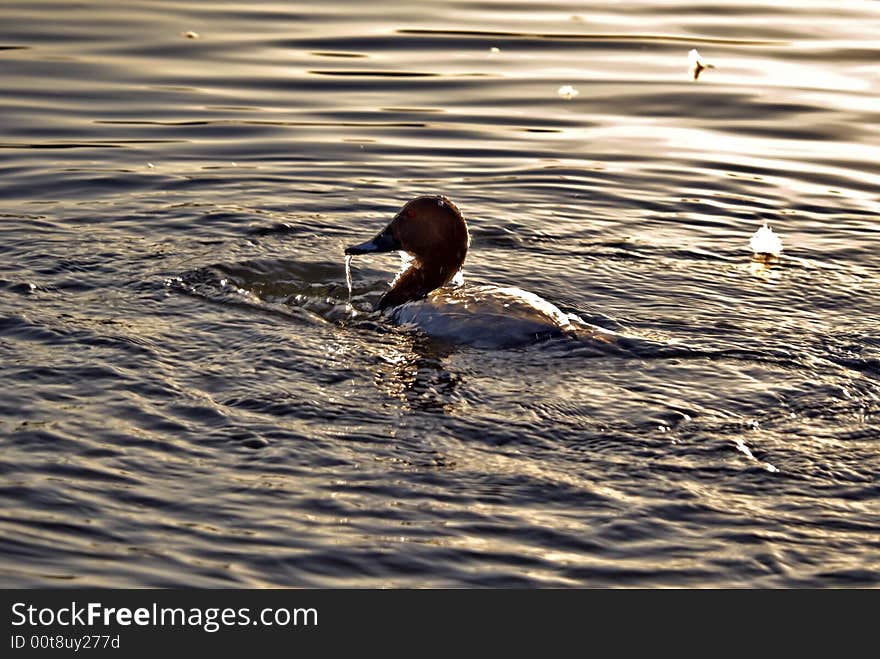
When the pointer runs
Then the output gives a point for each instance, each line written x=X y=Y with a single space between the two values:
x=431 y=230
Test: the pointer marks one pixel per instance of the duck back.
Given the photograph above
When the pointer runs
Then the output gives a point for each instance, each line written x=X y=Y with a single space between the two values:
x=486 y=316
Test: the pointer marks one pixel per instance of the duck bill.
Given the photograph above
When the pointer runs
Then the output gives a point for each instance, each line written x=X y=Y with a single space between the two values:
x=386 y=241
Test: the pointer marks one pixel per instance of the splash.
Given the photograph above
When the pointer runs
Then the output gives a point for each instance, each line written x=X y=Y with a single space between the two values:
x=764 y=243
x=348 y=280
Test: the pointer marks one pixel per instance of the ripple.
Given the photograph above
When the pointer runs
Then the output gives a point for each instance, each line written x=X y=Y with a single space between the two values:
x=587 y=37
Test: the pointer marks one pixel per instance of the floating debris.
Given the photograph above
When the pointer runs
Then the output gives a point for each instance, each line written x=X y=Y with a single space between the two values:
x=696 y=64
x=494 y=51
x=765 y=244
x=151 y=165
x=192 y=35
x=348 y=306
x=568 y=92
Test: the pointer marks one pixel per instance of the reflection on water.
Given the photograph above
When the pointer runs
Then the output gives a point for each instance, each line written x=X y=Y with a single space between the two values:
x=191 y=398
x=416 y=376
x=762 y=266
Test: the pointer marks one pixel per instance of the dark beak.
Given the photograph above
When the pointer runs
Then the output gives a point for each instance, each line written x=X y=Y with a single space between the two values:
x=386 y=241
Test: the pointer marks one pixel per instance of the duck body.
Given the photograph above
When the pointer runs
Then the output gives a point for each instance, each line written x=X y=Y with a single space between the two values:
x=483 y=316
x=432 y=231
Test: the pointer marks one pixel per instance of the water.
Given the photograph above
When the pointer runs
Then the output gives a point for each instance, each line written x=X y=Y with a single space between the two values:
x=188 y=400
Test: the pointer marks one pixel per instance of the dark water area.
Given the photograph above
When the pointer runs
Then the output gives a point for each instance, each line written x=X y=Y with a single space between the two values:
x=188 y=399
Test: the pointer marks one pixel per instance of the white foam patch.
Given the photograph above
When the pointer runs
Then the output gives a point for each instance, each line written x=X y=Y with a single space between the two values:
x=764 y=241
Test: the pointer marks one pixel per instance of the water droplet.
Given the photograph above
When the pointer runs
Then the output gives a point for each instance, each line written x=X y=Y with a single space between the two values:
x=349 y=307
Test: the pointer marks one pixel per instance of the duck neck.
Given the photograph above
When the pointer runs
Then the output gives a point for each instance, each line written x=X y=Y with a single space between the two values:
x=417 y=281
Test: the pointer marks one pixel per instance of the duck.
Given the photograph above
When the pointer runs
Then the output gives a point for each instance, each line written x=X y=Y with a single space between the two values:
x=429 y=294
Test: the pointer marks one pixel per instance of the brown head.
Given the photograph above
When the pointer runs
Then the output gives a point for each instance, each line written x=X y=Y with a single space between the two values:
x=431 y=230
